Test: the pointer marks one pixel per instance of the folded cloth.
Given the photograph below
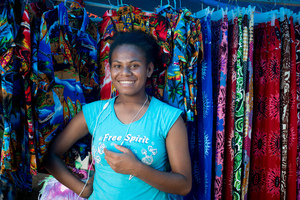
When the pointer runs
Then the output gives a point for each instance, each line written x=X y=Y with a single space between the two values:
x=54 y=190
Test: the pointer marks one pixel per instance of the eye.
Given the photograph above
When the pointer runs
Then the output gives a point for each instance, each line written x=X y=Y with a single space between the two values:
x=134 y=66
x=117 y=66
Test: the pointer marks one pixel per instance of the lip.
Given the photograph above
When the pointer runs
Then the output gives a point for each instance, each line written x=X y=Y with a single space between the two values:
x=126 y=82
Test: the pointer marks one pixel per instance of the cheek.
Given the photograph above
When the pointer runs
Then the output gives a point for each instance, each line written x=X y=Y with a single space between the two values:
x=113 y=73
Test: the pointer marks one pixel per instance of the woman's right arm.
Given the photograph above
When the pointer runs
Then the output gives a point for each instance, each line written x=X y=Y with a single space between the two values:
x=75 y=130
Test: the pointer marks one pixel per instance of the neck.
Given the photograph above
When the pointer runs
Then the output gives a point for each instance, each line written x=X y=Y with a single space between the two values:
x=132 y=99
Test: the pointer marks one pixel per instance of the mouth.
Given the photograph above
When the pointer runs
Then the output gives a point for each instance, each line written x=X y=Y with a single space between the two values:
x=127 y=82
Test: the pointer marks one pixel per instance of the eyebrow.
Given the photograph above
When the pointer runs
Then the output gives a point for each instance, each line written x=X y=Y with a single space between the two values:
x=129 y=61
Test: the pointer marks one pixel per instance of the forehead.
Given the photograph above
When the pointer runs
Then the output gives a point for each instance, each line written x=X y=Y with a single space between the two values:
x=128 y=51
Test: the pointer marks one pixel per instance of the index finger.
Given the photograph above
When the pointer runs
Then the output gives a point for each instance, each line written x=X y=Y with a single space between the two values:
x=109 y=153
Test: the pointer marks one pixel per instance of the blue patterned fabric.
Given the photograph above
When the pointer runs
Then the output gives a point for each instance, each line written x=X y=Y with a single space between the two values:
x=15 y=162
x=67 y=72
x=205 y=120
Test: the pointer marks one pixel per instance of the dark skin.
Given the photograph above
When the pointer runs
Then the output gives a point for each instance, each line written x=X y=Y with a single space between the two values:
x=129 y=72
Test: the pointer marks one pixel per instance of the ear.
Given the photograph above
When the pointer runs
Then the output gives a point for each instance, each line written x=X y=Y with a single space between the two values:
x=150 y=69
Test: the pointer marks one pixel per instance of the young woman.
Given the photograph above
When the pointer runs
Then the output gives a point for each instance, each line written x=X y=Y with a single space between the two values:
x=134 y=135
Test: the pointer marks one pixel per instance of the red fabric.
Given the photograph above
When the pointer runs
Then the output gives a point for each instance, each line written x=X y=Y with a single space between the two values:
x=265 y=144
x=297 y=42
x=230 y=111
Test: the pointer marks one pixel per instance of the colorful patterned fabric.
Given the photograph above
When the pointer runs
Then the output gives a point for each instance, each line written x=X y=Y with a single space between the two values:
x=23 y=54
x=230 y=109
x=36 y=10
x=265 y=142
x=292 y=137
x=7 y=190
x=181 y=78
x=8 y=70
x=174 y=92
x=203 y=166
x=284 y=102
x=194 y=55
x=67 y=72
x=221 y=107
x=130 y=18
x=216 y=37
x=6 y=38
x=239 y=113
x=158 y=27
x=248 y=111
x=216 y=34
x=15 y=161
x=107 y=29
x=297 y=43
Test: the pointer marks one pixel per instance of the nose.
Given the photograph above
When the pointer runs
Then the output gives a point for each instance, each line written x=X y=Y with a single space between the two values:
x=126 y=71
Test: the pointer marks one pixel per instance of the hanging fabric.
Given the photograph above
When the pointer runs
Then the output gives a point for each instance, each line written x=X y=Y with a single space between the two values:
x=233 y=34
x=174 y=91
x=220 y=30
x=297 y=43
x=285 y=99
x=292 y=137
x=130 y=18
x=36 y=11
x=265 y=142
x=67 y=74
x=248 y=109
x=205 y=115
x=107 y=28
x=239 y=110
x=15 y=161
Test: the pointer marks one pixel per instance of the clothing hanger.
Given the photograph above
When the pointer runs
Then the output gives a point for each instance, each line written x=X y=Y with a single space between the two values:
x=219 y=14
x=231 y=16
x=120 y=4
x=236 y=3
x=110 y=10
x=261 y=11
x=266 y=17
x=282 y=14
x=274 y=5
x=72 y=1
x=52 y=3
x=231 y=4
x=165 y=7
x=202 y=13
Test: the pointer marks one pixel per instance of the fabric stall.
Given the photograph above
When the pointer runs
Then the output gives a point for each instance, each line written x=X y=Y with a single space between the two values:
x=233 y=72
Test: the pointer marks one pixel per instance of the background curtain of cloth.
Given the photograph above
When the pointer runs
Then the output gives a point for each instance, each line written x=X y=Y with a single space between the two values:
x=292 y=138
x=248 y=111
x=284 y=101
x=14 y=152
x=239 y=115
x=230 y=109
x=265 y=143
x=297 y=43
x=205 y=116
x=221 y=106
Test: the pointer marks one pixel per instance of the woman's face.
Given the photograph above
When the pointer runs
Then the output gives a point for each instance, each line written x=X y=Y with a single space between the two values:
x=129 y=70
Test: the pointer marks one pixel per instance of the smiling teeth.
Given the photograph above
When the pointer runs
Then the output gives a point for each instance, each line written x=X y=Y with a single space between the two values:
x=127 y=82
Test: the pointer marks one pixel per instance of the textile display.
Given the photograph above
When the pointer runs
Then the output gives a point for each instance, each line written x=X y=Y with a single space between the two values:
x=233 y=74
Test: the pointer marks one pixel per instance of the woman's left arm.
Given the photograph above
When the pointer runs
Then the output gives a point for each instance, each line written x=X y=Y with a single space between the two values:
x=178 y=182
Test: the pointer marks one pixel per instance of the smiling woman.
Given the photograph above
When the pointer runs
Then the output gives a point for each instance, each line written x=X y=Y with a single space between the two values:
x=134 y=135
x=129 y=70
